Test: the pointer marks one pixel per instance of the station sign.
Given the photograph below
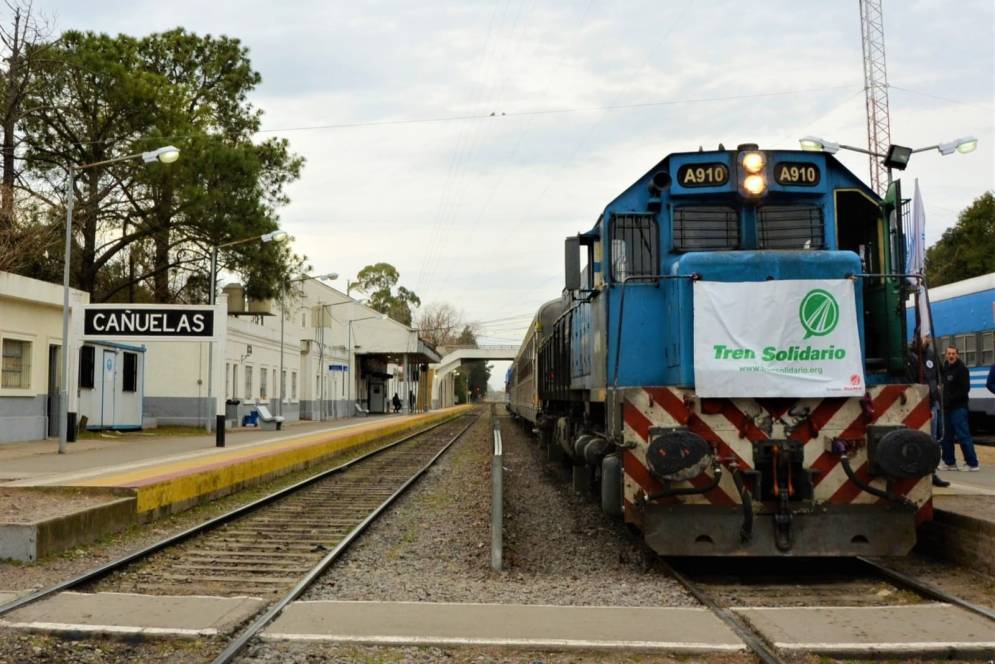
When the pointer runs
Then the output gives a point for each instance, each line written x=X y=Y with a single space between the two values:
x=338 y=367
x=148 y=322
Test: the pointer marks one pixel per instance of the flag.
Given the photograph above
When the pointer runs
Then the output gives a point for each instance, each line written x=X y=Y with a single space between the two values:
x=916 y=262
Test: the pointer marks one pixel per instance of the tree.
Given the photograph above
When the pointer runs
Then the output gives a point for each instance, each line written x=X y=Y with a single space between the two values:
x=151 y=227
x=377 y=281
x=23 y=41
x=441 y=324
x=966 y=249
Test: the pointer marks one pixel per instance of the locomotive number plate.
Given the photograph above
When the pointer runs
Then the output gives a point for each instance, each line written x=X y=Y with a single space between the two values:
x=796 y=174
x=702 y=175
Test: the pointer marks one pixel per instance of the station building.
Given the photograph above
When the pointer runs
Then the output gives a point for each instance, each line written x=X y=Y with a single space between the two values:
x=340 y=358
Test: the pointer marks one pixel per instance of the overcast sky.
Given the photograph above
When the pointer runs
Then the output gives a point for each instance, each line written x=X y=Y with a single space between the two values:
x=473 y=211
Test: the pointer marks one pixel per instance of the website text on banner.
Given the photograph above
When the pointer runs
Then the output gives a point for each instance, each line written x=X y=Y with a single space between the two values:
x=791 y=338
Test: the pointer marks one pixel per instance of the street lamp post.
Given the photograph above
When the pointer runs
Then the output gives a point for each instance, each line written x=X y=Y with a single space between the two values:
x=166 y=155
x=283 y=298
x=275 y=236
x=898 y=156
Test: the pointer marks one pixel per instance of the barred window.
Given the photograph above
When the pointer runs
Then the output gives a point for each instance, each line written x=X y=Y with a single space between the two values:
x=130 y=382
x=987 y=348
x=16 y=364
x=293 y=386
x=86 y=366
x=635 y=245
x=263 y=393
x=706 y=228
x=790 y=227
x=248 y=382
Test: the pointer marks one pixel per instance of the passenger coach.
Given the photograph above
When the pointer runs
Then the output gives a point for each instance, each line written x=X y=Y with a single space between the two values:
x=726 y=365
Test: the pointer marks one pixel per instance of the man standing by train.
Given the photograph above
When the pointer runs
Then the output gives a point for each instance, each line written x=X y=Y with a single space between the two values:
x=956 y=386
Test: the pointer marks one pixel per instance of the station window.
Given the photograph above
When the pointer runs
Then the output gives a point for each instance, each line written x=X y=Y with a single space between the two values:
x=248 y=382
x=283 y=385
x=293 y=386
x=634 y=245
x=86 y=360
x=234 y=381
x=987 y=348
x=16 y=364
x=131 y=372
x=705 y=228
x=262 y=383
x=789 y=227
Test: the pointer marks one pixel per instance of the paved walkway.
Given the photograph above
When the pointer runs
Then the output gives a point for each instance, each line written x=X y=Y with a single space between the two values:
x=40 y=463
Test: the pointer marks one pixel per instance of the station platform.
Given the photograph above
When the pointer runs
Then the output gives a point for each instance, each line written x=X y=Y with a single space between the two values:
x=103 y=485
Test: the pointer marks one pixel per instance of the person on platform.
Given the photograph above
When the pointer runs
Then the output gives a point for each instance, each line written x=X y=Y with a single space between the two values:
x=956 y=385
x=921 y=367
x=396 y=401
x=411 y=401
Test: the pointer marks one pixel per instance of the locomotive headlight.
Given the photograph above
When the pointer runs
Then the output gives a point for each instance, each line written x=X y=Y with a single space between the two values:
x=753 y=162
x=755 y=184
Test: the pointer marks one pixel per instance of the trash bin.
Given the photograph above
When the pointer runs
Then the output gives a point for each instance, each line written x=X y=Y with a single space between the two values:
x=231 y=411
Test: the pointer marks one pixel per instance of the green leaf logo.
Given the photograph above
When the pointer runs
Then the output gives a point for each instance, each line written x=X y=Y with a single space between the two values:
x=819 y=313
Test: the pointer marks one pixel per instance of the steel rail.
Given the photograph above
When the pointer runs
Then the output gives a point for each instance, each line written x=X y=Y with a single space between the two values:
x=250 y=632
x=923 y=588
x=750 y=636
x=120 y=563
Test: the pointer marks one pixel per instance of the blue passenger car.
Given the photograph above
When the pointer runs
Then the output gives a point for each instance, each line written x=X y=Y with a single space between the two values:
x=964 y=316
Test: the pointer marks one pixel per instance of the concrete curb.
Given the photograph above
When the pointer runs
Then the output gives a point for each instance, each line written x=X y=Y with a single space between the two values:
x=28 y=542
x=960 y=538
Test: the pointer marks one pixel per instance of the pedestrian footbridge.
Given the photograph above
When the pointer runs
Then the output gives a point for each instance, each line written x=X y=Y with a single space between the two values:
x=442 y=383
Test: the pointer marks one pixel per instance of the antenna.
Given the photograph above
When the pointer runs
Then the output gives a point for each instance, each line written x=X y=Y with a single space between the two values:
x=875 y=90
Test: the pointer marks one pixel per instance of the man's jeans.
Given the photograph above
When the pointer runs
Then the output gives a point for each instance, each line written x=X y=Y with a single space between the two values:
x=955 y=426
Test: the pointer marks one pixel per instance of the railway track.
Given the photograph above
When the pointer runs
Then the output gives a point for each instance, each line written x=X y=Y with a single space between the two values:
x=804 y=584
x=277 y=546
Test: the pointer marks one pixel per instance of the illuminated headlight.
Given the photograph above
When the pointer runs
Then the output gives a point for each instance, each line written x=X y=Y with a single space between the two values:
x=755 y=184
x=753 y=162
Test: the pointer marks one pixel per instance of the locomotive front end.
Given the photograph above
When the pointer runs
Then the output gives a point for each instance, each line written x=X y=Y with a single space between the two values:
x=755 y=360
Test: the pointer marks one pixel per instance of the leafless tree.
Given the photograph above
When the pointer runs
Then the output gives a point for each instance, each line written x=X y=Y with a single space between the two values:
x=441 y=324
x=24 y=38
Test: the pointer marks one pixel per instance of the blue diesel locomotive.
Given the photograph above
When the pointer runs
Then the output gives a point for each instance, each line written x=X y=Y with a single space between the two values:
x=726 y=366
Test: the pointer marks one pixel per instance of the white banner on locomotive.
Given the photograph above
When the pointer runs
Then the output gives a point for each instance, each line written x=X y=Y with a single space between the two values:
x=791 y=338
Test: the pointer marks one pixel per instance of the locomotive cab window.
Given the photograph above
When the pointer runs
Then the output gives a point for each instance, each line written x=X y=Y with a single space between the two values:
x=790 y=227
x=705 y=228
x=635 y=246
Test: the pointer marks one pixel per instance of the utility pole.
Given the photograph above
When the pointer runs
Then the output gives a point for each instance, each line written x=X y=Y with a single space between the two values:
x=875 y=91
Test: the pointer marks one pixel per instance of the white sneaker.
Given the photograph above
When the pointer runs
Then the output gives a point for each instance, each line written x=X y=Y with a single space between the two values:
x=973 y=469
x=944 y=466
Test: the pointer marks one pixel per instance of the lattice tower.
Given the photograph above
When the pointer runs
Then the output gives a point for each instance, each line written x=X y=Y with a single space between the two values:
x=875 y=90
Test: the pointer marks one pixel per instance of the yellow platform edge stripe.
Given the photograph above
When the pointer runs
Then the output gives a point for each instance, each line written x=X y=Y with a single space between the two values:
x=272 y=459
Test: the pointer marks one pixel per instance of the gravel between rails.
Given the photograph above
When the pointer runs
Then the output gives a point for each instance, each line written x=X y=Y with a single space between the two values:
x=434 y=546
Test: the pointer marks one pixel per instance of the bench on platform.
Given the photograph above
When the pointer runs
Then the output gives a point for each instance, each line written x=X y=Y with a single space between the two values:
x=360 y=410
x=269 y=421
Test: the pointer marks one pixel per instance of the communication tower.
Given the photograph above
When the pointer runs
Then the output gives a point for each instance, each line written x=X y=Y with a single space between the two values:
x=875 y=90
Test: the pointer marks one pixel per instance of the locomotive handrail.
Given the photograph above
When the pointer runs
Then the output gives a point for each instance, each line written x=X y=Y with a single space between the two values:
x=887 y=275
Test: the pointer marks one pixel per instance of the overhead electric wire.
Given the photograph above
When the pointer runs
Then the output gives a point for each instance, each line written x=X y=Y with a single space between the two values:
x=560 y=111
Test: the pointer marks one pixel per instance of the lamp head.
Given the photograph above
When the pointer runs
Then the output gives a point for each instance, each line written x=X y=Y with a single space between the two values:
x=898 y=157
x=331 y=276
x=816 y=144
x=275 y=236
x=961 y=145
x=166 y=155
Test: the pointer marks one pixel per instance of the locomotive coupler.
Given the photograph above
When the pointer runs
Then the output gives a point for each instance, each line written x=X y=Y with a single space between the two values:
x=783 y=536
